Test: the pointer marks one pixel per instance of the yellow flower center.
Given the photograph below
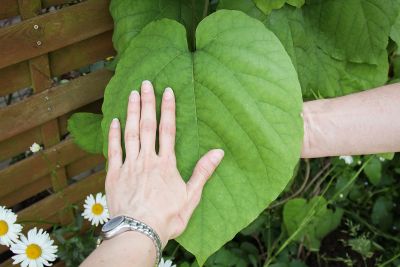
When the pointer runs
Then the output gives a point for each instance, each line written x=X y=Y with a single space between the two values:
x=3 y=228
x=97 y=209
x=33 y=251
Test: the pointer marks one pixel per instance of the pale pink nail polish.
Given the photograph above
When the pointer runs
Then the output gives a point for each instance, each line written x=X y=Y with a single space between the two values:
x=115 y=123
x=134 y=96
x=146 y=86
x=217 y=156
x=168 y=93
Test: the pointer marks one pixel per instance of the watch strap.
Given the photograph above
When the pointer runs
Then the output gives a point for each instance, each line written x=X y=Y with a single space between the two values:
x=141 y=227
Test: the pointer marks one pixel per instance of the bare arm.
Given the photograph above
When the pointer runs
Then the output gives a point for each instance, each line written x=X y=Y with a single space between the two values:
x=363 y=123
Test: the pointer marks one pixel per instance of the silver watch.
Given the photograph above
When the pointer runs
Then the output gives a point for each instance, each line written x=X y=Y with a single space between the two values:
x=120 y=224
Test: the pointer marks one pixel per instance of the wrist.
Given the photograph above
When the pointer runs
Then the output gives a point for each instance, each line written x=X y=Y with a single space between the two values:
x=152 y=222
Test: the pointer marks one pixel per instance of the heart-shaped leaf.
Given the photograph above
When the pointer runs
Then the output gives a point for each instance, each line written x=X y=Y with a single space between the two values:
x=238 y=91
x=130 y=16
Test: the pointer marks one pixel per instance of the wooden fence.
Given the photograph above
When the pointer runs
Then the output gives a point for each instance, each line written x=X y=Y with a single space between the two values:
x=44 y=45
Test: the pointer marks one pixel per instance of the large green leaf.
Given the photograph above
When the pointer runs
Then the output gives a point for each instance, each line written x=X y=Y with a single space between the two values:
x=239 y=94
x=352 y=30
x=395 y=31
x=323 y=71
x=85 y=129
x=296 y=214
x=266 y=6
x=319 y=72
x=130 y=16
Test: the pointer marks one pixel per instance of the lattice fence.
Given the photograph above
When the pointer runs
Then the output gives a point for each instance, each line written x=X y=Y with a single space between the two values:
x=50 y=53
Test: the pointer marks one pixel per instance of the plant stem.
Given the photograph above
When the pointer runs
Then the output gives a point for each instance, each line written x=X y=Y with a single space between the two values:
x=371 y=227
x=205 y=10
x=306 y=177
x=313 y=209
x=390 y=260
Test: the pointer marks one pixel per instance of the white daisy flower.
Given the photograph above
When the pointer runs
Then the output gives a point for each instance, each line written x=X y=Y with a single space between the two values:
x=347 y=159
x=35 y=250
x=167 y=263
x=96 y=210
x=35 y=147
x=9 y=230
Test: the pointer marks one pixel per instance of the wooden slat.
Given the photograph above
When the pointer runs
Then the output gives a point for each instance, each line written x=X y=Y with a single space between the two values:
x=84 y=164
x=22 y=41
x=27 y=191
x=81 y=54
x=8 y=9
x=41 y=80
x=52 y=103
x=46 y=208
x=20 y=78
x=47 y=3
x=62 y=60
x=42 y=163
x=19 y=143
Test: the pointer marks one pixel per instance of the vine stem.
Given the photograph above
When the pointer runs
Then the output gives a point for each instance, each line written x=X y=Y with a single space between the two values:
x=313 y=210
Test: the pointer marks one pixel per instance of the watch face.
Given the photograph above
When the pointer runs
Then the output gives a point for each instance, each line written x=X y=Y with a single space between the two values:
x=111 y=224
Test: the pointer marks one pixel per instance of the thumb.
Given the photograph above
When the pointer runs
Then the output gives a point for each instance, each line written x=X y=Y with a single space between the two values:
x=205 y=167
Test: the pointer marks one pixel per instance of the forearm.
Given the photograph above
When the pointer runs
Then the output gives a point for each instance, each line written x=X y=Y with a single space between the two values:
x=127 y=249
x=363 y=123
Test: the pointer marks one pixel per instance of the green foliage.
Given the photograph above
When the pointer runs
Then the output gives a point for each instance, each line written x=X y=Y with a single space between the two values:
x=74 y=245
x=373 y=170
x=322 y=223
x=86 y=131
x=131 y=17
x=226 y=97
x=266 y=6
x=382 y=215
x=236 y=89
x=395 y=31
x=361 y=245
x=325 y=45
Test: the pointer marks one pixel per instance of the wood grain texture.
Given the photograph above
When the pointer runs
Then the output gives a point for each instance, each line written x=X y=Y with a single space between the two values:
x=38 y=165
x=81 y=54
x=19 y=143
x=27 y=191
x=63 y=60
x=51 y=205
x=55 y=30
x=84 y=164
x=21 y=78
x=52 y=103
x=8 y=8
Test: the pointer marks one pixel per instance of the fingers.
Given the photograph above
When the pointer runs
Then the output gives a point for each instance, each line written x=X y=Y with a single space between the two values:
x=114 y=147
x=132 y=126
x=148 y=122
x=167 y=127
x=205 y=167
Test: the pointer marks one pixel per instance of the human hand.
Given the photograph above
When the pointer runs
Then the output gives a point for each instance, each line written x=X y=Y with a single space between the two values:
x=148 y=186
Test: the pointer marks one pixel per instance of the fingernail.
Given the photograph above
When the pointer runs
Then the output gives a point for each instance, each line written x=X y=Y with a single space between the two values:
x=168 y=93
x=217 y=156
x=146 y=86
x=134 y=96
x=115 y=123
